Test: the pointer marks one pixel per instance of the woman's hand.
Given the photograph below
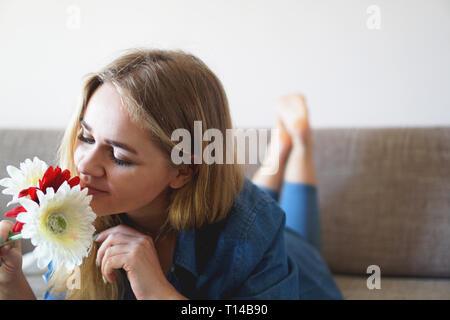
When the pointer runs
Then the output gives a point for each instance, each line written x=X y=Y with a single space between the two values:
x=125 y=248
x=10 y=255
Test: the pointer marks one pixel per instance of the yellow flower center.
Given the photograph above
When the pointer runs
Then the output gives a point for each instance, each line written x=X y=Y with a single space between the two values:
x=56 y=223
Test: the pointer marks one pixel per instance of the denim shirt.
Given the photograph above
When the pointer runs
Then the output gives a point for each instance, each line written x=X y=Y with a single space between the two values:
x=241 y=257
x=245 y=256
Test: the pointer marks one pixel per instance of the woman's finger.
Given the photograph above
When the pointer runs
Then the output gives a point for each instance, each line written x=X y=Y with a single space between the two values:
x=113 y=239
x=10 y=254
x=120 y=229
x=110 y=261
x=5 y=228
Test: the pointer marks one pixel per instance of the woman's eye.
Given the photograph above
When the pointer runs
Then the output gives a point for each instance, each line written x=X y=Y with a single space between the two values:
x=85 y=139
x=119 y=161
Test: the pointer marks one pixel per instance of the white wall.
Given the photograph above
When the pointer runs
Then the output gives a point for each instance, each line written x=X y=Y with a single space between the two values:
x=352 y=75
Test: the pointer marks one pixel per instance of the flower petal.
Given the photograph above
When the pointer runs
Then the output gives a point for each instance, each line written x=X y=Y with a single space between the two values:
x=23 y=217
x=14 y=172
x=43 y=260
x=14 y=212
x=28 y=204
x=15 y=200
x=64 y=187
x=74 y=181
x=17 y=227
x=6 y=182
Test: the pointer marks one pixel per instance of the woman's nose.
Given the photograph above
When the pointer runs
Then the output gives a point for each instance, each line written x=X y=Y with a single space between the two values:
x=90 y=165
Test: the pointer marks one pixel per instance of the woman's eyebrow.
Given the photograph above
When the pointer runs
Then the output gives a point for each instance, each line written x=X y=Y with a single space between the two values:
x=110 y=142
x=121 y=146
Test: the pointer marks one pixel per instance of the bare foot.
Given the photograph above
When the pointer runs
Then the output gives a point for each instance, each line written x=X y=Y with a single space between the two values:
x=294 y=114
x=295 y=152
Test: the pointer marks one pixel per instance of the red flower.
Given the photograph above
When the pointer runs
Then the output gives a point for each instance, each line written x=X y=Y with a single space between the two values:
x=31 y=191
x=53 y=178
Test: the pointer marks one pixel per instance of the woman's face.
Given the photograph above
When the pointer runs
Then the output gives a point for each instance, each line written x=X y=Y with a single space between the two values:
x=116 y=160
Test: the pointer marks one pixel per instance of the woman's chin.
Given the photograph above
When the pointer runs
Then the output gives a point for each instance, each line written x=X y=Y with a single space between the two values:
x=100 y=209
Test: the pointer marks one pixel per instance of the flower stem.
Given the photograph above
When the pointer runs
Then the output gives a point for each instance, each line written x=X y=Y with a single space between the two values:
x=11 y=238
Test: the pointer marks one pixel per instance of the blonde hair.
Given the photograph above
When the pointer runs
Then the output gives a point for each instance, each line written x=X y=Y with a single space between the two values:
x=163 y=91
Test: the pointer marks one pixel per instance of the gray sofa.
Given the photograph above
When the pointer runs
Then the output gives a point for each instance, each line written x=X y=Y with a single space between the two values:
x=384 y=197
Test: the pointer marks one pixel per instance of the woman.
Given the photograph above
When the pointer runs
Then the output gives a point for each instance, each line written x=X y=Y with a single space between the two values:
x=167 y=231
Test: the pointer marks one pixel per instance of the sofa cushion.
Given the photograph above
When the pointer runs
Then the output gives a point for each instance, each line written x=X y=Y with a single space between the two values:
x=384 y=197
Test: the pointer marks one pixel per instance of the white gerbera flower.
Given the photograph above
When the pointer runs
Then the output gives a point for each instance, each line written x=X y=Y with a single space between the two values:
x=27 y=176
x=60 y=226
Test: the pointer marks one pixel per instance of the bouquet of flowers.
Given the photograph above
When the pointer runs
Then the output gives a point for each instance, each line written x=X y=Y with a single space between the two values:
x=53 y=212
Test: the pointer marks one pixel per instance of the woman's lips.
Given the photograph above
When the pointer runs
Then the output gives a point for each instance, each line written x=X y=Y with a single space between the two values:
x=95 y=191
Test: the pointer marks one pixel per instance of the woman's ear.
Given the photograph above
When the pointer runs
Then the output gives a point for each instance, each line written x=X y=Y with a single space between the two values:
x=182 y=175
